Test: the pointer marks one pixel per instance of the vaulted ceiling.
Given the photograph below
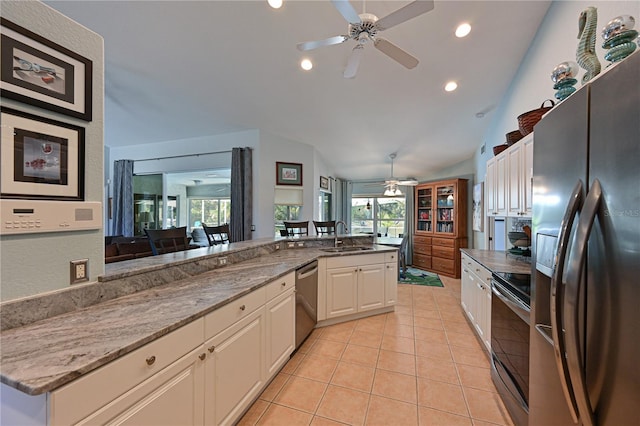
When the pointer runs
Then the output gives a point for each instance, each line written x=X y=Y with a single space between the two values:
x=182 y=69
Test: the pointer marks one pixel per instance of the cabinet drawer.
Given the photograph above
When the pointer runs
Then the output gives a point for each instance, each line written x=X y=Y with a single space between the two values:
x=281 y=285
x=422 y=248
x=446 y=252
x=422 y=260
x=234 y=311
x=85 y=395
x=444 y=265
x=419 y=239
x=391 y=256
x=445 y=242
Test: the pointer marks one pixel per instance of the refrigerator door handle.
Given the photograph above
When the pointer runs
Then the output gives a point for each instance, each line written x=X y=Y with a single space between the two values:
x=572 y=282
x=557 y=297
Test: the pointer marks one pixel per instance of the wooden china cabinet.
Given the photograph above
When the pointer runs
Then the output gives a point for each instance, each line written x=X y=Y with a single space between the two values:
x=440 y=226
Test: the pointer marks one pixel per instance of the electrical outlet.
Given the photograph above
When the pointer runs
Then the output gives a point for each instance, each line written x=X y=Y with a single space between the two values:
x=79 y=271
x=291 y=245
x=277 y=246
x=222 y=261
x=300 y=244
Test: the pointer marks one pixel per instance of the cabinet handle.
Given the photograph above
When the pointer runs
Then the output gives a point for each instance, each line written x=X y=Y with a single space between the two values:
x=284 y=284
x=151 y=360
x=202 y=356
x=211 y=349
x=392 y=256
x=242 y=307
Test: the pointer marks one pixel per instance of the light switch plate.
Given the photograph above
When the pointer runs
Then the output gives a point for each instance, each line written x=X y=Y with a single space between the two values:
x=79 y=271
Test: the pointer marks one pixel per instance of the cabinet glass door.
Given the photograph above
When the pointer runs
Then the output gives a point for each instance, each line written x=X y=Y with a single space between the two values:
x=424 y=216
x=445 y=199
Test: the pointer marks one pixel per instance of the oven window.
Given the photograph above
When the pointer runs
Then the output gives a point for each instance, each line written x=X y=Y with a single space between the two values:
x=510 y=344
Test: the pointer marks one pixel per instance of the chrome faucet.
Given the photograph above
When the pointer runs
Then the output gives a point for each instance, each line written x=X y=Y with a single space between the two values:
x=346 y=230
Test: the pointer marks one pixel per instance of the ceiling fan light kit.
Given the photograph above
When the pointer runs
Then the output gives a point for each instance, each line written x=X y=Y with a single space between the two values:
x=365 y=27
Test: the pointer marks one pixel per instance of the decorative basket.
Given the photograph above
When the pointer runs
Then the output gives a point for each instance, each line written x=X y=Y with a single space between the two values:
x=513 y=137
x=499 y=148
x=529 y=119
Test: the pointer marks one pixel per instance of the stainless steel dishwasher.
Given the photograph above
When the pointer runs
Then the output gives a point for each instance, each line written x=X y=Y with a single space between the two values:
x=306 y=301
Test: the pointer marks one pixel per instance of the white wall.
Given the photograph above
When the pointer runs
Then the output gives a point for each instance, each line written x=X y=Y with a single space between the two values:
x=555 y=42
x=40 y=262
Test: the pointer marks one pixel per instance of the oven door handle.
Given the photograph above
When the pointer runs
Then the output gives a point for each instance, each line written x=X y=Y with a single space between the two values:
x=516 y=305
x=557 y=291
x=572 y=284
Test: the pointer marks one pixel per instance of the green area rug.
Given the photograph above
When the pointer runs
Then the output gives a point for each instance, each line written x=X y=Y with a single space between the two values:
x=419 y=277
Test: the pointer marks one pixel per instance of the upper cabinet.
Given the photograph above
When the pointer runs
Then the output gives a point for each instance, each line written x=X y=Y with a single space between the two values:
x=508 y=183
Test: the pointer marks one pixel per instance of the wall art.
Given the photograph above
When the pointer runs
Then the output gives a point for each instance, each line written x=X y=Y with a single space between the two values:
x=288 y=174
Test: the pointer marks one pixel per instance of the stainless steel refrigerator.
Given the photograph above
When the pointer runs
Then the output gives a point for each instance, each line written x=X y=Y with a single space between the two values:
x=585 y=334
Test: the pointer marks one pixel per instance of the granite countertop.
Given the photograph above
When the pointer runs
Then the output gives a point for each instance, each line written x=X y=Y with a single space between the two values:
x=498 y=261
x=47 y=354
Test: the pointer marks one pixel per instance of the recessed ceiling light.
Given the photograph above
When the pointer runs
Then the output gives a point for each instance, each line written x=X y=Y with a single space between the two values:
x=463 y=30
x=276 y=4
x=451 y=86
x=306 y=64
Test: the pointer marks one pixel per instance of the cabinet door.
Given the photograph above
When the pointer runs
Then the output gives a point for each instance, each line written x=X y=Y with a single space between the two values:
x=468 y=293
x=515 y=181
x=490 y=188
x=234 y=372
x=446 y=200
x=486 y=325
x=281 y=330
x=527 y=162
x=424 y=209
x=371 y=287
x=391 y=283
x=342 y=291
x=501 y=184
x=173 y=396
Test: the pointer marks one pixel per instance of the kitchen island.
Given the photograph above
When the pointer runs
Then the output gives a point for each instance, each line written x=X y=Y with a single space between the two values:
x=190 y=292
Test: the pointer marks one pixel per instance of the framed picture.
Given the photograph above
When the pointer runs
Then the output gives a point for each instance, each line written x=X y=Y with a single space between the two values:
x=41 y=158
x=478 y=207
x=324 y=182
x=41 y=73
x=288 y=174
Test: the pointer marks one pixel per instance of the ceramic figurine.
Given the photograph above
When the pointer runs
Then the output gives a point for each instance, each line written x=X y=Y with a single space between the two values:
x=586 y=53
x=563 y=76
x=619 y=37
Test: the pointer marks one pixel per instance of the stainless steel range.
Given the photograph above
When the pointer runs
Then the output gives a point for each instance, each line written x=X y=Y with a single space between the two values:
x=510 y=308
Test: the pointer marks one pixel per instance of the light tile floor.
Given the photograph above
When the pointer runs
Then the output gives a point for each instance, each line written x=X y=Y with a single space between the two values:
x=419 y=365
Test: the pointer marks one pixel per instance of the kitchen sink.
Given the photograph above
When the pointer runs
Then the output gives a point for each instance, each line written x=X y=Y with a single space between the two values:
x=346 y=249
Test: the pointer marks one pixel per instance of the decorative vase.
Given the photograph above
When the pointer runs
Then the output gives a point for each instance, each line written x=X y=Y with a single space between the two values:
x=619 y=36
x=563 y=77
x=586 y=52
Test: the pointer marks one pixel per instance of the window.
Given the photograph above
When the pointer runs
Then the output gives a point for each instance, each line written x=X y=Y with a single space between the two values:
x=384 y=216
x=210 y=211
x=324 y=206
x=282 y=213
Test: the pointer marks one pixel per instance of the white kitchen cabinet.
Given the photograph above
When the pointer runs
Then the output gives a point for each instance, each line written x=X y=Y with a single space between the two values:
x=476 y=297
x=391 y=280
x=281 y=331
x=360 y=283
x=496 y=185
x=371 y=287
x=235 y=369
x=342 y=291
x=520 y=175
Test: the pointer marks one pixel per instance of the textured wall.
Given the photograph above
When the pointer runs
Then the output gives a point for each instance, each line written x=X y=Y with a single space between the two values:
x=40 y=262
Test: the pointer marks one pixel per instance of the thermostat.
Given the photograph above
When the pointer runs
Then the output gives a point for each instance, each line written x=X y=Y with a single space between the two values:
x=34 y=216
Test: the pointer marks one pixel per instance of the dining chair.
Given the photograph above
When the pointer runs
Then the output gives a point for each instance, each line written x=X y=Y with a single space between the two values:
x=168 y=240
x=297 y=228
x=325 y=227
x=402 y=257
x=217 y=234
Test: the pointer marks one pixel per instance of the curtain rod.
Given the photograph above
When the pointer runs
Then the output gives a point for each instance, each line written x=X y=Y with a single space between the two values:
x=184 y=155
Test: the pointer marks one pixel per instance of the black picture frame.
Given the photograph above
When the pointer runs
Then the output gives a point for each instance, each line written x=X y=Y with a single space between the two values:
x=324 y=182
x=39 y=72
x=288 y=174
x=42 y=159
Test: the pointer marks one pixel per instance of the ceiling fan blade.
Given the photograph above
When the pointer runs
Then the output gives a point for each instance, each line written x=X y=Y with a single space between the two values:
x=403 y=14
x=395 y=53
x=408 y=182
x=353 y=62
x=347 y=11
x=310 y=45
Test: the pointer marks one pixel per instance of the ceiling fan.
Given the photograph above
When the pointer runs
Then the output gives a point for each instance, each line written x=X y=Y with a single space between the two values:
x=392 y=183
x=364 y=28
